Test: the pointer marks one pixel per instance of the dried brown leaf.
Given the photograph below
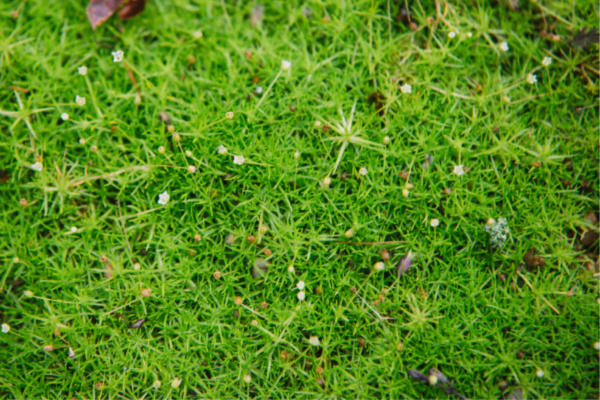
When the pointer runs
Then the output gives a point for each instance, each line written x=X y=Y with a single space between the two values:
x=99 y=11
x=132 y=8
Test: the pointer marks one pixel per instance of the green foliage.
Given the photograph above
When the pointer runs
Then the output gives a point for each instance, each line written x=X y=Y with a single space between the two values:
x=469 y=105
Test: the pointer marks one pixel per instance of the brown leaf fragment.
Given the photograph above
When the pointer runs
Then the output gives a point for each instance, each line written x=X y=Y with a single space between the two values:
x=132 y=9
x=99 y=11
x=586 y=36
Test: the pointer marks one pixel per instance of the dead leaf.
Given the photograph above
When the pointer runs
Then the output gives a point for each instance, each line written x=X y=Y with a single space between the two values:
x=585 y=36
x=132 y=8
x=99 y=11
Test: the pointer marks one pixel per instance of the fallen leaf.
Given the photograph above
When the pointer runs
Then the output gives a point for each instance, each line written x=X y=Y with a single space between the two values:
x=132 y=8
x=99 y=11
x=405 y=263
x=137 y=324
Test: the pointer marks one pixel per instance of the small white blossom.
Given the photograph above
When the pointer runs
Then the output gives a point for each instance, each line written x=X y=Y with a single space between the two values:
x=469 y=34
x=137 y=100
x=547 y=61
x=300 y=285
x=71 y=352
x=386 y=140
x=406 y=88
x=597 y=345
x=197 y=34
x=531 y=79
x=37 y=166
x=73 y=229
x=363 y=171
x=301 y=295
x=222 y=149
x=259 y=90
x=314 y=340
x=176 y=382
x=297 y=155
x=156 y=384
x=229 y=115
x=379 y=266
x=247 y=378
x=317 y=124
x=504 y=46
x=285 y=65
x=117 y=56
x=64 y=116
x=80 y=100
x=82 y=141
x=137 y=266
x=435 y=223
x=28 y=293
x=189 y=153
x=5 y=328
x=16 y=260
x=191 y=169
x=161 y=149
x=291 y=269
x=451 y=34
x=458 y=170
x=82 y=70
x=239 y=160
x=326 y=182
x=540 y=373
x=163 y=198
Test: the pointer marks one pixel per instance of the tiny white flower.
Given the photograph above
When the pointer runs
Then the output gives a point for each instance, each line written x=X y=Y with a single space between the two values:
x=531 y=79
x=28 y=293
x=239 y=160
x=363 y=171
x=285 y=65
x=258 y=90
x=176 y=382
x=137 y=266
x=458 y=170
x=117 y=56
x=64 y=116
x=379 y=266
x=247 y=378
x=386 y=140
x=81 y=141
x=71 y=352
x=229 y=115
x=16 y=260
x=222 y=149
x=156 y=384
x=82 y=70
x=547 y=61
x=197 y=34
x=504 y=46
x=300 y=285
x=491 y=221
x=469 y=34
x=435 y=223
x=297 y=155
x=326 y=182
x=317 y=124
x=163 y=198
x=540 y=373
x=37 y=166
x=314 y=340
x=188 y=153
x=301 y=295
x=291 y=269
x=597 y=345
x=73 y=229
x=161 y=149
x=137 y=100
x=5 y=328
x=451 y=34
x=191 y=169
x=433 y=379
x=80 y=100
x=406 y=88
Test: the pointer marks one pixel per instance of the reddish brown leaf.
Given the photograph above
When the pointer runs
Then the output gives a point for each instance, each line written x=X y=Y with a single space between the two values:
x=132 y=8
x=99 y=11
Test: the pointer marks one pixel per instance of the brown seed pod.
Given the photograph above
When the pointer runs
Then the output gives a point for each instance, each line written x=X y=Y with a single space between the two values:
x=400 y=346
x=284 y=354
x=319 y=290
x=197 y=237
x=248 y=54
x=238 y=301
x=236 y=314
x=447 y=191
x=537 y=164
x=353 y=290
x=264 y=304
x=251 y=238
x=325 y=128
x=404 y=175
x=385 y=255
x=362 y=342
x=23 y=202
x=217 y=275
x=146 y=292
x=267 y=252
x=319 y=370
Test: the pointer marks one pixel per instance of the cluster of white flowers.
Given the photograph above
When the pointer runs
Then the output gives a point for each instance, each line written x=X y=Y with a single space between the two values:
x=458 y=170
x=504 y=46
x=80 y=100
x=163 y=198
x=117 y=56
x=239 y=160
x=406 y=88
x=498 y=231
